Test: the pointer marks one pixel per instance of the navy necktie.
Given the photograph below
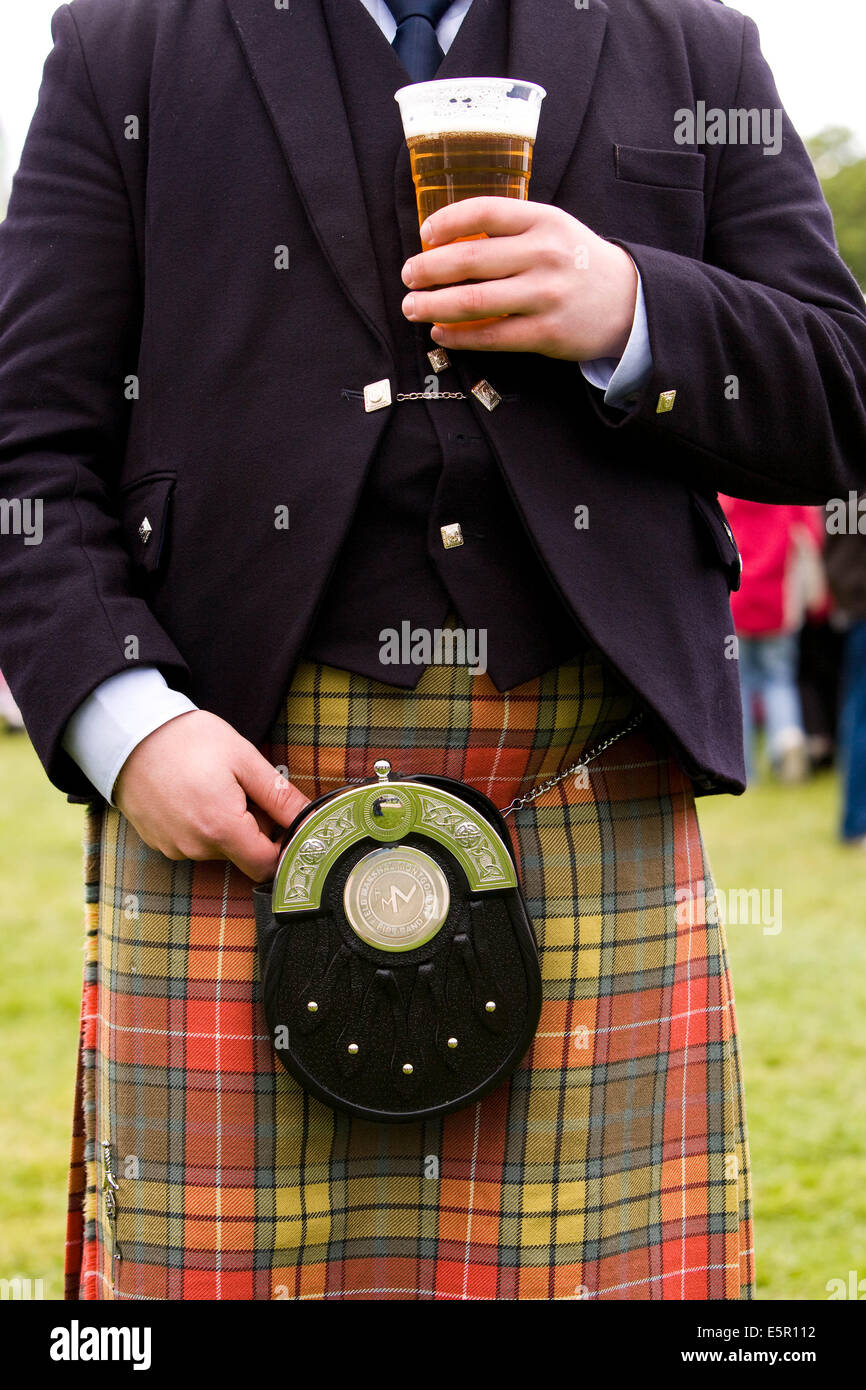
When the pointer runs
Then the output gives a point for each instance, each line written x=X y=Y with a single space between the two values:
x=415 y=42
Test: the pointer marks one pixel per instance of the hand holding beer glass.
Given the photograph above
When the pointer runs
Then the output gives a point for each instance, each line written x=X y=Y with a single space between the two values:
x=472 y=138
x=469 y=137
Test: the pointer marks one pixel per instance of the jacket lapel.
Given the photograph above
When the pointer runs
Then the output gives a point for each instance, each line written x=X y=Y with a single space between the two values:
x=292 y=64
x=290 y=58
x=559 y=46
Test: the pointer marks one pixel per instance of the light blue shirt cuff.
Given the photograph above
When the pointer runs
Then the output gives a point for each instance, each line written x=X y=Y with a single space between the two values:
x=622 y=380
x=112 y=721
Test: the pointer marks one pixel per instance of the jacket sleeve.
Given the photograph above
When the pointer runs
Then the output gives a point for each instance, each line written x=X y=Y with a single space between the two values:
x=764 y=339
x=70 y=319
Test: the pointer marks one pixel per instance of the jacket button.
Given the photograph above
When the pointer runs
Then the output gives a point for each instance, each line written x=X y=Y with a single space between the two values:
x=377 y=395
x=451 y=535
x=145 y=531
x=486 y=394
x=666 y=402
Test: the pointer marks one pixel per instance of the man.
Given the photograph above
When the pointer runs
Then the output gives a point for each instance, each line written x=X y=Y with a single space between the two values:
x=212 y=288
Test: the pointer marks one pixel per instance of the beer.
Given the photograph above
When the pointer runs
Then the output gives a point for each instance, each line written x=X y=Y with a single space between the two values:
x=457 y=164
x=469 y=137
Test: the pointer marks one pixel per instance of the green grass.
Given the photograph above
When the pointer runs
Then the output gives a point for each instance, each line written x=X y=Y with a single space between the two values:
x=801 y=998
x=801 y=1002
x=41 y=945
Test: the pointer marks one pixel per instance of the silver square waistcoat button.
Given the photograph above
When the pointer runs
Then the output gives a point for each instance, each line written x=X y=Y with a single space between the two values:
x=377 y=394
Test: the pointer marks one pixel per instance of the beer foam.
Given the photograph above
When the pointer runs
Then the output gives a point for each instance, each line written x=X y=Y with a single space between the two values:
x=487 y=105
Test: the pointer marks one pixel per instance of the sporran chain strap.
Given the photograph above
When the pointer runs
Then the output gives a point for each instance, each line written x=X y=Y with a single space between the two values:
x=520 y=801
x=430 y=396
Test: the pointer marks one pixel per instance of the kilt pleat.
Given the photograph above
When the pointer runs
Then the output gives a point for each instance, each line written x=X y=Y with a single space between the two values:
x=612 y=1165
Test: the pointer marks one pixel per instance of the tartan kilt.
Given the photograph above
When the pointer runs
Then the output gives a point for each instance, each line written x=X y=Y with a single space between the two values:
x=612 y=1165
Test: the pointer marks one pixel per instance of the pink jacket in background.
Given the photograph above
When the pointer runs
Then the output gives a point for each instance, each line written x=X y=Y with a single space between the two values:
x=782 y=574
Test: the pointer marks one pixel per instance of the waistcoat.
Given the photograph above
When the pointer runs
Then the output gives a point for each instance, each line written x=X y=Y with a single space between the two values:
x=434 y=467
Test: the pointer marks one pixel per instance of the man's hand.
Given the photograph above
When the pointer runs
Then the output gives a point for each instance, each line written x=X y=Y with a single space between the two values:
x=186 y=786
x=567 y=292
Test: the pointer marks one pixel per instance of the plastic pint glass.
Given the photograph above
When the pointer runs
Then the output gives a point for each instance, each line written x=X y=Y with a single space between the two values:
x=469 y=137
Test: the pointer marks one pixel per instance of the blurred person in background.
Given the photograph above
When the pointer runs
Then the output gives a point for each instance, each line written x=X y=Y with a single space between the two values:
x=845 y=559
x=821 y=648
x=782 y=580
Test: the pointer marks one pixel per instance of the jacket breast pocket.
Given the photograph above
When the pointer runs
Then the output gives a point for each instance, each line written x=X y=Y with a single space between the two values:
x=145 y=518
x=720 y=545
x=657 y=199
x=660 y=168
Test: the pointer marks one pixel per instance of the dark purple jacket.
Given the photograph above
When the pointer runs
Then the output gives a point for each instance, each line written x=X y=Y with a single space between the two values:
x=154 y=361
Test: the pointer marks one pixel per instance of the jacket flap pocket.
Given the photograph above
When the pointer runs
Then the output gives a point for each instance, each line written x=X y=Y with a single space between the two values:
x=718 y=531
x=661 y=168
x=144 y=509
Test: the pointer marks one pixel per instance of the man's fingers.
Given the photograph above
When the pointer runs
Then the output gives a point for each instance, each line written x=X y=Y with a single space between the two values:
x=266 y=823
x=488 y=258
x=471 y=216
x=269 y=789
x=487 y=299
x=516 y=334
x=254 y=853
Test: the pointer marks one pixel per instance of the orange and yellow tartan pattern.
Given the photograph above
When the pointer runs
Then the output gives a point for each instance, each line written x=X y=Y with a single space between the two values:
x=612 y=1165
